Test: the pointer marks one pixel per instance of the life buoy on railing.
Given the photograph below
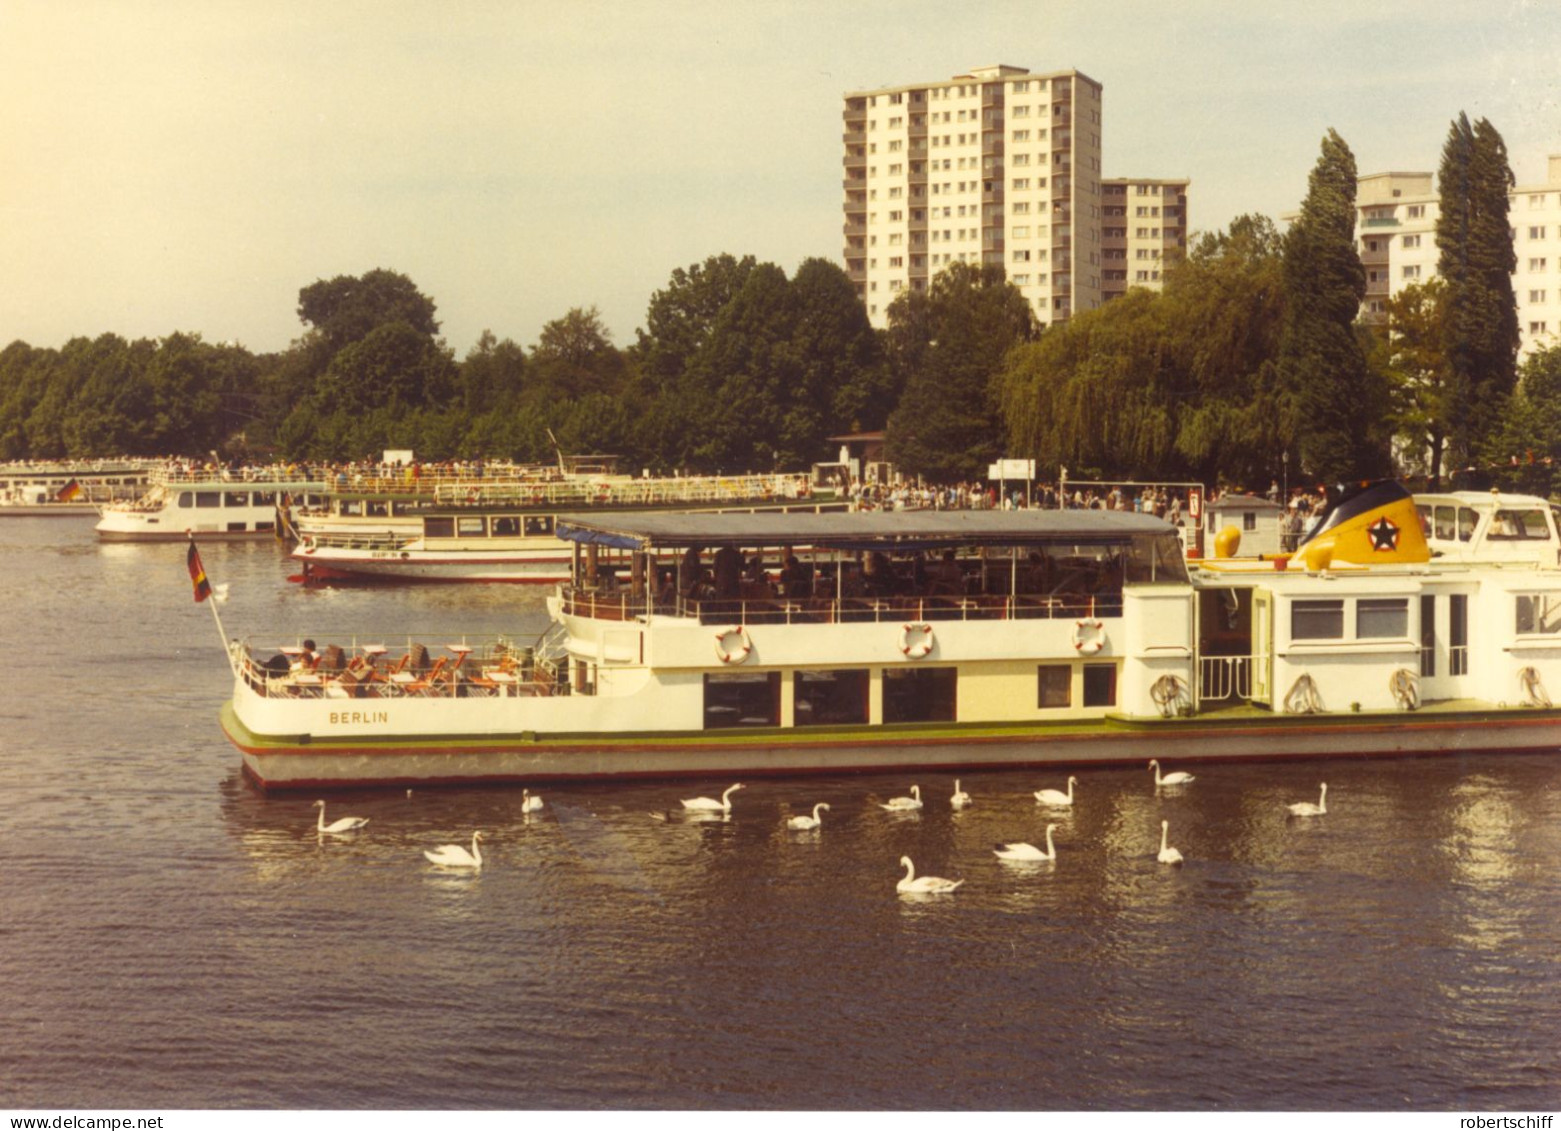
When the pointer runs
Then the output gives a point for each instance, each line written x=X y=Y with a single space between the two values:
x=1304 y=698
x=1168 y=693
x=1089 y=636
x=916 y=639
x=1533 y=690
x=733 y=655
x=1405 y=687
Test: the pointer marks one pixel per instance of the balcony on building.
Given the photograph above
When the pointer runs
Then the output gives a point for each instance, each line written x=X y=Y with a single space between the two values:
x=854 y=183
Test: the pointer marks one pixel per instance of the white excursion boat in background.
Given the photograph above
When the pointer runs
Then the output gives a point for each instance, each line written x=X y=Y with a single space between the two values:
x=64 y=488
x=496 y=531
x=212 y=504
x=945 y=640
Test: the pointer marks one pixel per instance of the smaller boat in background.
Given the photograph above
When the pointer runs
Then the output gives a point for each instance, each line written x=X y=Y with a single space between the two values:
x=216 y=504
x=60 y=489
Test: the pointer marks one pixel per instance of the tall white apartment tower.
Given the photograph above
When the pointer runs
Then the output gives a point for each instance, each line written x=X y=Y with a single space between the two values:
x=996 y=166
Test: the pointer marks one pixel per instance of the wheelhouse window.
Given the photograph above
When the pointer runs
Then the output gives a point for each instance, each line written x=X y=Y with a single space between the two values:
x=1054 y=686
x=920 y=695
x=1317 y=620
x=208 y=498
x=1539 y=614
x=236 y=499
x=539 y=524
x=1100 y=685
x=505 y=525
x=471 y=526
x=1379 y=618
x=832 y=698
x=1512 y=525
x=439 y=528
x=742 y=699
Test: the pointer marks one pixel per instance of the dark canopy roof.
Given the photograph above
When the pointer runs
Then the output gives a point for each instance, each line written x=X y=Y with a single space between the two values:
x=908 y=530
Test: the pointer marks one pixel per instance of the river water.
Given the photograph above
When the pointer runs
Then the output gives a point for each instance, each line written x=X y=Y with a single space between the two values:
x=171 y=939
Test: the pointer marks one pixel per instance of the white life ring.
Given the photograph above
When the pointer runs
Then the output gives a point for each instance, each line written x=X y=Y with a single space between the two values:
x=733 y=655
x=916 y=649
x=1089 y=636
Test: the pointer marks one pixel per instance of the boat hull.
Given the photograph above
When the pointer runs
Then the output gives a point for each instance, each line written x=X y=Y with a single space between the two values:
x=308 y=762
x=546 y=569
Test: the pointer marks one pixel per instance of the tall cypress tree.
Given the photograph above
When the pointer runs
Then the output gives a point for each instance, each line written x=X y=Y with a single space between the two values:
x=1476 y=259
x=1328 y=400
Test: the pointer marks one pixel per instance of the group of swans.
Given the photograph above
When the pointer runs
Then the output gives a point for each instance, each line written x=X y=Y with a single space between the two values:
x=446 y=855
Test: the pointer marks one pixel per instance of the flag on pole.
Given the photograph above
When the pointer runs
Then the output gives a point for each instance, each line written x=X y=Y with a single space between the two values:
x=69 y=493
x=197 y=574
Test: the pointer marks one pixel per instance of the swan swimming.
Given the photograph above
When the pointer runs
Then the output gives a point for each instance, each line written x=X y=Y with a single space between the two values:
x=812 y=822
x=1168 y=855
x=708 y=805
x=529 y=804
x=900 y=804
x=1179 y=777
x=1028 y=852
x=1056 y=796
x=922 y=885
x=344 y=825
x=1307 y=809
x=960 y=798
x=454 y=856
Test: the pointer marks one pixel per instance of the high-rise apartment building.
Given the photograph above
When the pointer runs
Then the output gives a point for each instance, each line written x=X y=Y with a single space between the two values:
x=1143 y=227
x=996 y=166
x=1395 y=230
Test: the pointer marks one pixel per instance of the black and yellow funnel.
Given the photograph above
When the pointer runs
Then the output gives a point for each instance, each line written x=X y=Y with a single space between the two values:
x=1364 y=525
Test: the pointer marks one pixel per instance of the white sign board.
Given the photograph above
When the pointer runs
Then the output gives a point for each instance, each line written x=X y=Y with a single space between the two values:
x=1011 y=469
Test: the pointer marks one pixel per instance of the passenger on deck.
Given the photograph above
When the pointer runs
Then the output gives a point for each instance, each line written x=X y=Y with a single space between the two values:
x=878 y=578
x=947 y=578
x=796 y=579
x=307 y=658
x=728 y=567
x=851 y=583
x=1036 y=577
x=691 y=572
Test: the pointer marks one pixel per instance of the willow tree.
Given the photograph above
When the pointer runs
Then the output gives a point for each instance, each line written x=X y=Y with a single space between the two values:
x=1327 y=396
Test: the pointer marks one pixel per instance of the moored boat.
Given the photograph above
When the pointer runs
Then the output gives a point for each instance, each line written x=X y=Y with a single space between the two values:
x=216 y=504
x=938 y=640
x=65 y=488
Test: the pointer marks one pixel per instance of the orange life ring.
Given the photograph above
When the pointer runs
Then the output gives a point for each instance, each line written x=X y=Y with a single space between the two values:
x=916 y=649
x=1089 y=636
x=733 y=655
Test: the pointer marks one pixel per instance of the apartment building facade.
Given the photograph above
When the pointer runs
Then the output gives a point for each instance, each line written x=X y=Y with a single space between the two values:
x=996 y=166
x=1395 y=229
x=1143 y=227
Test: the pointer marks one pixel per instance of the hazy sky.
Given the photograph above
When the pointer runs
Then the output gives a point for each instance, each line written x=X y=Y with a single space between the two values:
x=189 y=166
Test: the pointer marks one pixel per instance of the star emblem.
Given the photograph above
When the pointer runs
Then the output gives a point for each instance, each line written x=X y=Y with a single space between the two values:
x=1384 y=535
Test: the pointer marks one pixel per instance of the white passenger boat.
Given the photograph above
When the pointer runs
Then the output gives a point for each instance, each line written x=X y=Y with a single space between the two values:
x=504 y=531
x=63 y=488
x=213 y=504
x=942 y=640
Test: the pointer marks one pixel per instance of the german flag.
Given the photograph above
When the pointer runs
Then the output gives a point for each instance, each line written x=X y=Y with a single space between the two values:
x=69 y=493
x=197 y=574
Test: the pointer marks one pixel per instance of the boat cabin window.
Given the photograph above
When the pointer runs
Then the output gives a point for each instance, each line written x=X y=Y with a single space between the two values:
x=506 y=525
x=350 y=508
x=438 y=527
x=376 y=509
x=1511 y=525
x=539 y=524
x=186 y=499
x=265 y=498
x=1539 y=614
x=236 y=499
x=471 y=526
x=1100 y=685
x=1317 y=620
x=832 y=698
x=1382 y=617
x=208 y=498
x=1055 y=682
x=920 y=695
x=745 y=699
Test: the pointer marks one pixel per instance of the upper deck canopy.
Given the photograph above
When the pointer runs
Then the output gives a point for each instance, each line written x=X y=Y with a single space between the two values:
x=870 y=530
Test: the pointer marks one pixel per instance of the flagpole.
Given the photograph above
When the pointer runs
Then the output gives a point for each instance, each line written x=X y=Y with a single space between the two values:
x=211 y=599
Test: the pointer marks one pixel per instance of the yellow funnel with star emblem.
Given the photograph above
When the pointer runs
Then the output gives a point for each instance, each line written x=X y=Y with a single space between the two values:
x=1369 y=524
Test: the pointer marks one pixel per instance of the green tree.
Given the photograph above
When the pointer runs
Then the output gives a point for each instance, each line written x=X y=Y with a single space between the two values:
x=682 y=315
x=1524 y=448
x=1412 y=344
x=574 y=357
x=1325 y=389
x=946 y=346
x=843 y=374
x=348 y=308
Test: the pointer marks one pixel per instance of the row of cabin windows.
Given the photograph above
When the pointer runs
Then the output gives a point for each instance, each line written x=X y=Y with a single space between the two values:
x=204 y=499
x=1449 y=523
x=484 y=526
x=840 y=697
x=1535 y=614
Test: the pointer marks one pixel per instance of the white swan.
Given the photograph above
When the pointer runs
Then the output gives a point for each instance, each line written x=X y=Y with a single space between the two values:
x=454 y=856
x=708 y=805
x=1307 y=809
x=922 y=885
x=960 y=798
x=1056 y=796
x=344 y=825
x=529 y=804
x=812 y=822
x=1023 y=851
x=1168 y=855
x=1179 y=777
x=902 y=804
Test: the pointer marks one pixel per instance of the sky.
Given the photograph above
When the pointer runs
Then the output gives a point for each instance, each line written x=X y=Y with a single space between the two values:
x=171 y=166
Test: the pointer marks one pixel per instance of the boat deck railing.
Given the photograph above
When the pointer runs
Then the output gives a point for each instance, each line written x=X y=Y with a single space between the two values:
x=843 y=610
x=473 y=668
x=372 y=540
